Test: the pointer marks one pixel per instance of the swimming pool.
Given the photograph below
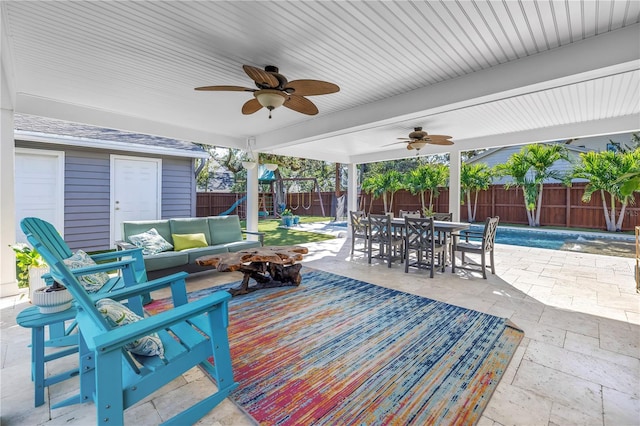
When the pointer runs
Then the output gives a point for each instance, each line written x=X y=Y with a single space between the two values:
x=597 y=243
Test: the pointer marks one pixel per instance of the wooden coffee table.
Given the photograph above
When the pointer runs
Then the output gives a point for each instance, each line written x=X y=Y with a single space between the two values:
x=270 y=266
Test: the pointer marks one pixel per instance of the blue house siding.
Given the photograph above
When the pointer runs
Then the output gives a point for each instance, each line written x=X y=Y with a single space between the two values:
x=87 y=200
x=87 y=192
x=178 y=188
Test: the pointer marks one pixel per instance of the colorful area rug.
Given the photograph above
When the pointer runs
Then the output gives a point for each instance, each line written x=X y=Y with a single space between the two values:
x=341 y=351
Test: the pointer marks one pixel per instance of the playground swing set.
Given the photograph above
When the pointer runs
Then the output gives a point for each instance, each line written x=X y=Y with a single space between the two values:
x=273 y=195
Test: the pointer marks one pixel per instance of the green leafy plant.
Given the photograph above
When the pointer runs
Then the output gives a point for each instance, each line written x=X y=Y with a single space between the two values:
x=26 y=257
x=286 y=212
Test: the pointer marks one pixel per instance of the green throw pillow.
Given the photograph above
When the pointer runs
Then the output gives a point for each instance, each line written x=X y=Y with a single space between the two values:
x=187 y=241
x=118 y=315
x=151 y=242
x=91 y=282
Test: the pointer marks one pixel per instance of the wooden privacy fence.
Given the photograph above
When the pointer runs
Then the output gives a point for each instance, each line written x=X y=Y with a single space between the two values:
x=561 y=206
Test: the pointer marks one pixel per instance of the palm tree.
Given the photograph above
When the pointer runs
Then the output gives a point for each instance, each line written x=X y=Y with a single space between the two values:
x=474 y=178
x=530 y=168
x=392 y=181
x=427 y=177
x=372 y=185
x=604 y=171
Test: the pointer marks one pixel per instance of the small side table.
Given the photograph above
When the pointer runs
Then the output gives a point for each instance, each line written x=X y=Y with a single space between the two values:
x=36 y=321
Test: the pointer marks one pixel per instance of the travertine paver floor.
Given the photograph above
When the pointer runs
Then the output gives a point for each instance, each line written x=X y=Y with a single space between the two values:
x=579 y=363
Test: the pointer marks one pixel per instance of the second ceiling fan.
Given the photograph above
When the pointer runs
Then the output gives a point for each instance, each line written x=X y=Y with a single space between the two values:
x=419 y=138
x=274 y=90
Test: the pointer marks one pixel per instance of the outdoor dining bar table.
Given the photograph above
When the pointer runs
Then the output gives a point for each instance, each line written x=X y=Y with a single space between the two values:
x=444 y=227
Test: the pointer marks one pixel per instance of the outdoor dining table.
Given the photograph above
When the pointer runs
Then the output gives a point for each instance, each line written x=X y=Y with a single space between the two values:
x=445 y=228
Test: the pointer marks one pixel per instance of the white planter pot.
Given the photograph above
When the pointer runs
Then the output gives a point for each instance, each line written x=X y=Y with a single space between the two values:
x=35 y=278
x=50 y=302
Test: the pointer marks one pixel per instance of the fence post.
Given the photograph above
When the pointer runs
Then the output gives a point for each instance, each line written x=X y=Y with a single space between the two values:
x=568 y=208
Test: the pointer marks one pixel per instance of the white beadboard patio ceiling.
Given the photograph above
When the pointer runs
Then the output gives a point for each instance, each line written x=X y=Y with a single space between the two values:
x=488 y=73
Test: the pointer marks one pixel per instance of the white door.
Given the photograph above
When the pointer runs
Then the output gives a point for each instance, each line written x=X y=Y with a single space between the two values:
x=39 y=187
x=135 y=191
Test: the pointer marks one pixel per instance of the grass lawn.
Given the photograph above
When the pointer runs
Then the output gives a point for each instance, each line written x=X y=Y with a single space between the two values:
x=280 y=236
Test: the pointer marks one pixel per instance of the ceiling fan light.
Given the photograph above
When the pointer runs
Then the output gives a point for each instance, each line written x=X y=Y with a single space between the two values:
x=249 y=165
x=418 y=144
x=270 y=99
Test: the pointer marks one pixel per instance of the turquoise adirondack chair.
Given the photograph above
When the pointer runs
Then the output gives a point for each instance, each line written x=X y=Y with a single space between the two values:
x=129 y=262
x=113 y=377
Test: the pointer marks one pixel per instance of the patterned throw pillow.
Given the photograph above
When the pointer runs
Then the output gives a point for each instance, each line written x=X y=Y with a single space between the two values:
x=92 y=282
x=117 y=315
x=151 y=242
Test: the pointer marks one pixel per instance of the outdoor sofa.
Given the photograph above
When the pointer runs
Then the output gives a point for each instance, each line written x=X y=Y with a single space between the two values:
x=185 y=240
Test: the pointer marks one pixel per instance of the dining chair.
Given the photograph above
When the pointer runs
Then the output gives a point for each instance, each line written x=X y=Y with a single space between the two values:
x=477 y=242
x=381 y=233
x=419 y=237
x=358 y=229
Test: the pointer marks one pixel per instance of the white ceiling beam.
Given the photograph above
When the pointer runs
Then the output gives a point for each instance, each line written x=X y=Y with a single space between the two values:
x=598 y=56
x=34 y=105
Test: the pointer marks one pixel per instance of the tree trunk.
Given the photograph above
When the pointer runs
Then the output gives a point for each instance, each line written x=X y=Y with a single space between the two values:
x=526 y=208
x=538 y=207
x=422 y=199
x=384 y=202
x=470 y=214
x=338 y=191
x=607 y=218
x=621 y=217
x=475 y=207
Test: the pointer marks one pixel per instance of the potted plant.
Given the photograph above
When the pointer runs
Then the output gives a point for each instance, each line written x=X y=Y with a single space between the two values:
x=30 y=267
x=287 y=217
x=52 y=298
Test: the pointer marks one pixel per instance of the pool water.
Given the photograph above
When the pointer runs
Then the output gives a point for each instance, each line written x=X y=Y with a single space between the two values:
x=614 y=245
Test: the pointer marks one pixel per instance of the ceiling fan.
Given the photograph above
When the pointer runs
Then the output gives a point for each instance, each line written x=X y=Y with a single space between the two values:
x=419 y=138
x=274 y=90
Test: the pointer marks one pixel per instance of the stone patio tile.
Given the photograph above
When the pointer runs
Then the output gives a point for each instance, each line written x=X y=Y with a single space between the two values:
x=625 y=302
x=571 y=321
x=591 y=346
x=541 y=332
x=557 y=386
x=512 y=405
x=633 y=317
x=562 y=415
x=585 y=367
x=589 y=306
x=623 y=338
x=620 y=408
x=560 y=289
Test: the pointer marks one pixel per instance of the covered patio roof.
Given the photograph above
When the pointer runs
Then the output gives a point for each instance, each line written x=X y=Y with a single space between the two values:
x=487 y=73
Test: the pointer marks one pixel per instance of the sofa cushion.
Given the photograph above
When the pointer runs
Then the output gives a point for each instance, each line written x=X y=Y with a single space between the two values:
x=224 y=229
x=241 y=245
x=195 y=253
x=140 y=226
x=151 y=242
x=188 y=241
x=167 y=259
x=196 y=225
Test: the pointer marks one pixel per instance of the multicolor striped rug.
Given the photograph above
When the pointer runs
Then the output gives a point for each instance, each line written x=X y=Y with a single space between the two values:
x=339 y=351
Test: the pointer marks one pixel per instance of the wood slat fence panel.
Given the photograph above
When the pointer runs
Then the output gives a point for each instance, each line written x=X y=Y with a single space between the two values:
x=561 y=206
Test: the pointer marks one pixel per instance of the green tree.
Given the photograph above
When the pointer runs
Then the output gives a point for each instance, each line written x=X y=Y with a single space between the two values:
x=372 y=185
x=427 y=178
x=473 y=179
x=529 y=169
x=604 y=171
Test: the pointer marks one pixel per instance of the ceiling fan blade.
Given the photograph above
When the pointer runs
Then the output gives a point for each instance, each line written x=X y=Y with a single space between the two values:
x=311 y=87
x=261 y=77
x=301 y=104
x=410 y=147
x=226 y=88
x=395 y=143
x=439 y=137
x=440 y=142
x=251 y=106
x=405 y=139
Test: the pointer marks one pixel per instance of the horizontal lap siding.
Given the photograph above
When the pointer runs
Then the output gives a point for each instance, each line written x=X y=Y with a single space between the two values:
x=178 y=188
x=87 y=200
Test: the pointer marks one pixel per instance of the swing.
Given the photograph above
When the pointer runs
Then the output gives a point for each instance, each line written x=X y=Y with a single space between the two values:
x=262 y=203
x=310 y=200
x=291 y=201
